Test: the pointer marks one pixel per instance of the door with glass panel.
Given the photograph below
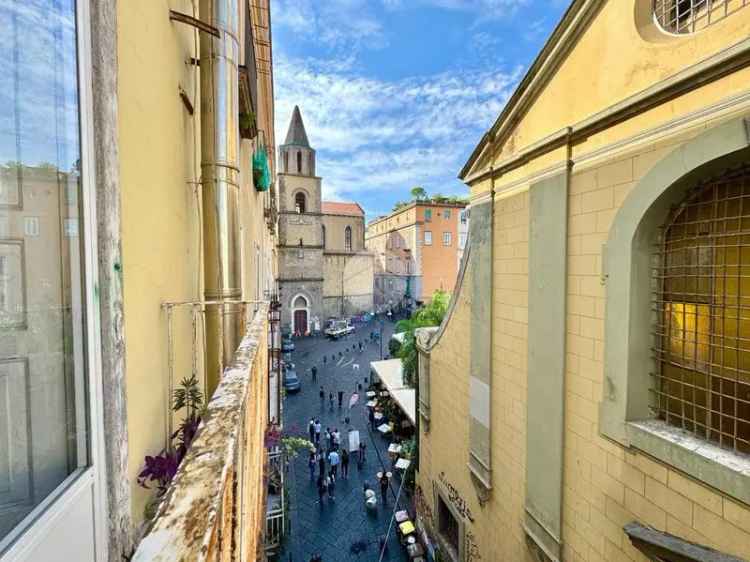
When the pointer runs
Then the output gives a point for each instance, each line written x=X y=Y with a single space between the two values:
x=47 y=484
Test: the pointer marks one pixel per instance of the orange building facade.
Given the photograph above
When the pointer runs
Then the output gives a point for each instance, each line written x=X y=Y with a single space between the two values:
x=416 y=251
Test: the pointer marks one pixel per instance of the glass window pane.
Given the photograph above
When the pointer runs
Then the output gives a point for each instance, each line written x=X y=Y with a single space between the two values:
x=43 y=433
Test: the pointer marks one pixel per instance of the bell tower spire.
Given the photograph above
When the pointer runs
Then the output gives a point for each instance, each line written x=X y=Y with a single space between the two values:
x=296 y=155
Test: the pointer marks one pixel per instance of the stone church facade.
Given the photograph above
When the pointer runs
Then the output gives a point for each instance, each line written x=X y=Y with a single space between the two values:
x=324 y=269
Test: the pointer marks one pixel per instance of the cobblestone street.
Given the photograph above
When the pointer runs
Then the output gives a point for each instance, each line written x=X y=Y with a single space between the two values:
x=342 y=529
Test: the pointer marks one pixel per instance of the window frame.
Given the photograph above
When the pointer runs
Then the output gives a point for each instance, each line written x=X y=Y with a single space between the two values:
x=427 y=238
x=625 y=415
x=46 y=516
x=348 y=238
x=300 y=209
x=697 y=19
x=447 y=239
x=428 y=215
x=453 y=555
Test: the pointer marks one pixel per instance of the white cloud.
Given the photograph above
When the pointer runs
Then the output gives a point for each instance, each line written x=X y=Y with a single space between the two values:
x=337 y=23
x=383 y=136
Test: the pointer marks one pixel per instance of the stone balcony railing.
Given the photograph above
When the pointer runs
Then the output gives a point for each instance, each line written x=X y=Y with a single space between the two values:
x=215 y=508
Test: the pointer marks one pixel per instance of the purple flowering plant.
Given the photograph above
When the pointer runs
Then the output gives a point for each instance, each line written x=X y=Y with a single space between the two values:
x=160 y=469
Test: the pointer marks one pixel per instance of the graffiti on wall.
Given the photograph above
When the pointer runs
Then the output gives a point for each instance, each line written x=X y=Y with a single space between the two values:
x=455 y=498
x=422 y=506
x=471 y=548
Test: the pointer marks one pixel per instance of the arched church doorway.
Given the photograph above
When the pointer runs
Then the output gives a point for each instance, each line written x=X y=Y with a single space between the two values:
x=300 y=315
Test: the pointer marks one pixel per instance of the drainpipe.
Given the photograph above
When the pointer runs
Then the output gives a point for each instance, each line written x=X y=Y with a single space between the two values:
x=220 y=183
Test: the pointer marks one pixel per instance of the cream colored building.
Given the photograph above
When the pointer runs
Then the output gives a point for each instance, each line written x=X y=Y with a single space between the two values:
x=586 y=397
x=324 y=269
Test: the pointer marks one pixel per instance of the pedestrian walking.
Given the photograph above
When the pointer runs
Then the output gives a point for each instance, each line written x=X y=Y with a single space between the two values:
x=362 y=451
x=311 y=466
x=311 y=430
x=325 y=358
x=330 y=400
x=328 y=438
x=384 y=487
x=318 y=428
x=331 y=485
x=314 y=373
x=321 y=463
x=345 y=463
x=341 y=398
x=334 y=460
x=336 y=437
x=322 y=488
x=371 y=417
x=322 y=394
x=360 y=347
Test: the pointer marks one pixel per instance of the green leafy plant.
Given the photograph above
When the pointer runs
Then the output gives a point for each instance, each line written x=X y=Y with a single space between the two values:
x=418 y=193
x=429 y=315
x=160 y=469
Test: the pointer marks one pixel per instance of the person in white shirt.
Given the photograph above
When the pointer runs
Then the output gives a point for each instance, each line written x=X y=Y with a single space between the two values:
x=333 y=460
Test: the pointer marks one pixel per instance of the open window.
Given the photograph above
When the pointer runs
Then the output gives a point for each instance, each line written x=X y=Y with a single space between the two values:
x=300 y=202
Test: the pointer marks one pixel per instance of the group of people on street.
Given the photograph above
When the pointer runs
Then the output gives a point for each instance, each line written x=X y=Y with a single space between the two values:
x=322 y=394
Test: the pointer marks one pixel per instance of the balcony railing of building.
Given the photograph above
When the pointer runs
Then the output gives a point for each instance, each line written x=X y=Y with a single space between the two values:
x=276 y=503
x=215 y=507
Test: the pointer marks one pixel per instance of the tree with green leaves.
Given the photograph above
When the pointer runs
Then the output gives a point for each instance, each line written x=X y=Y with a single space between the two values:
x=429 y=315
x=418 y=193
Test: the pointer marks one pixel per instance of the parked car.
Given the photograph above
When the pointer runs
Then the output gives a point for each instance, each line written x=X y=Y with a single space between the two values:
x=291 y=381
x=287 y=344
x=338 y=329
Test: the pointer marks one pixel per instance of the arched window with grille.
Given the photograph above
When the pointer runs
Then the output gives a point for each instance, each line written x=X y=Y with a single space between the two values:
x=702 y=303
x=688 y=16
x=300 y=202
x=299 y=162
x=348 y=239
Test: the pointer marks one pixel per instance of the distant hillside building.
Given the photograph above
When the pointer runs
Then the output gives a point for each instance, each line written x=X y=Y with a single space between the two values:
x=417 y=251
x=324 y=269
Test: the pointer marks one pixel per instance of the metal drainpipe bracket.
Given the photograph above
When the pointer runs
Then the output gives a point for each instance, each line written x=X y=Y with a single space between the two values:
x=195 y=22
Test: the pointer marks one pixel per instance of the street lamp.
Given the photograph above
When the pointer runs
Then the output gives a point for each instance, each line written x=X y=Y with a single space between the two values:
x=382 y=325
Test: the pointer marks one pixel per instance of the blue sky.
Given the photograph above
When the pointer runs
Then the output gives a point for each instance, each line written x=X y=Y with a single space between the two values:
x=396 y=93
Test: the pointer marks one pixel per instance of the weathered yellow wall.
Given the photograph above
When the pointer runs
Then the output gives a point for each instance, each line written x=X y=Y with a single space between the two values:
x=257 y=243
x=159 y=210
x=161 y=230
x=445 y=448
x=616 y=58
x=605 y=485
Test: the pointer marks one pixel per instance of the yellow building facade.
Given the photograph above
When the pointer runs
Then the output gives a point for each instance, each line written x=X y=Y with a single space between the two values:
x=604 y=415
x=162 y=204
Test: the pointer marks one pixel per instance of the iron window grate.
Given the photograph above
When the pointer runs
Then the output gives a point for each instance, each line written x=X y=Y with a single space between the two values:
x=701 y=309
x=689 y=16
